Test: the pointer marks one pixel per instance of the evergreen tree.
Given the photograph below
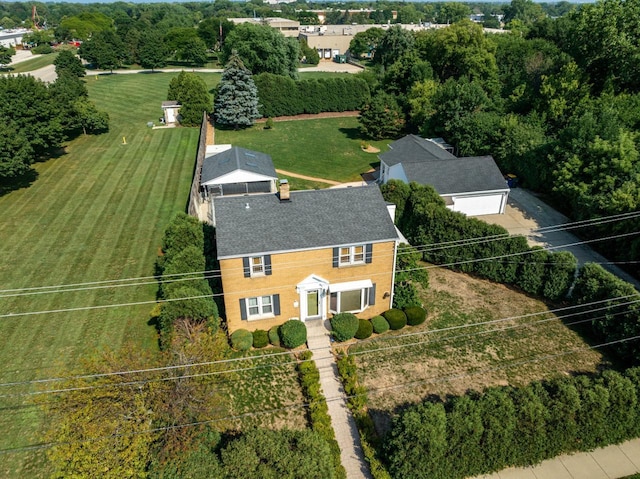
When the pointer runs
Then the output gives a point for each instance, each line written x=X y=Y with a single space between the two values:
x=191 y=91
x=236 y=102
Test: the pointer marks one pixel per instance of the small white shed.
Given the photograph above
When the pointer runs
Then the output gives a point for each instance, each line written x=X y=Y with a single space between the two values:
x=170 y=112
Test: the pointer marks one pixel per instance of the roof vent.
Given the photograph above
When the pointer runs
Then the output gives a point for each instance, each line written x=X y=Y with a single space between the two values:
x=284 y=191
x=246 y=206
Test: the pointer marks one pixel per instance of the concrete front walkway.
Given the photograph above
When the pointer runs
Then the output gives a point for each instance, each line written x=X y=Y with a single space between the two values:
x=342 y=421
x=611 y=462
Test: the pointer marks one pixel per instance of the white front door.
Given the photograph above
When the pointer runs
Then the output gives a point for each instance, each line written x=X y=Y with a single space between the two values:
x=314 y=304
x=313 y=296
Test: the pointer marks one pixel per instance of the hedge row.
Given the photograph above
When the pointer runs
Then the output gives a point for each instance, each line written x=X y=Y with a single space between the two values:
x=357 y=401
x=182 y=253
x=283 y=96
x=345 y=326
x=318 y=410
x=478 y=433
x=424 y=219
x=615 y=316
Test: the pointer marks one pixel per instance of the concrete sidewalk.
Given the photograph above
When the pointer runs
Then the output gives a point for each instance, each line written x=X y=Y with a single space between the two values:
x=612 y=462
x=347 y=435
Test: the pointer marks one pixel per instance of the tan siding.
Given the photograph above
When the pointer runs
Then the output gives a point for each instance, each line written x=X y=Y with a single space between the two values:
x=289 y=269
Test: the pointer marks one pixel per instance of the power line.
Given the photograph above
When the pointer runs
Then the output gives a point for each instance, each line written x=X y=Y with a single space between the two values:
x=419 y=248
x=267 y=356
x=302 y=405
x=456 y=263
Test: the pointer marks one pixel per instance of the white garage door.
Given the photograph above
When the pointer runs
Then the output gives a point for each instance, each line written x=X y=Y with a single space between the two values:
x=479 y=205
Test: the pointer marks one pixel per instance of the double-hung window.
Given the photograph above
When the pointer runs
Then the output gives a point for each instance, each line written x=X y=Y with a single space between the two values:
x=260 y=307
x=351 y=255
x=256 y=266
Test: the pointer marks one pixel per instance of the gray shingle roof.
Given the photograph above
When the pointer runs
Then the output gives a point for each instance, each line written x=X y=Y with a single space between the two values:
x=236 y=158
x=426 y=163
x=458 y=175
x=312 y=219
x=414 y=148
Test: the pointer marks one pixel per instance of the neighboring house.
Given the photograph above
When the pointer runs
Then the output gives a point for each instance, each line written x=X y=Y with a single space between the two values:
x=473 y=185
x=170 y=112
x=236 y=171
x=304 y=255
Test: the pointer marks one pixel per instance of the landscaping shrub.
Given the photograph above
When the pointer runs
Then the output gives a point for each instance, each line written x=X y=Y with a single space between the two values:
x=260 y=338
x=479 y=433
x=274 y=336
x=293 y=333
x=380 y=325
x=415 y=315
x=43 y=49
x=365 y=329
x=344 y=326
x=241 y=340
x=396 y=318
x=405 y=295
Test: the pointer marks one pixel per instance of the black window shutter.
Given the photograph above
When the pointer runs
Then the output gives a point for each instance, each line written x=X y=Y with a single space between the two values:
x=372 y=294
x=276 y=304
x=245 y=266
x=368 y=257
x=267 y=264
x=243 y=309
x=336 y=257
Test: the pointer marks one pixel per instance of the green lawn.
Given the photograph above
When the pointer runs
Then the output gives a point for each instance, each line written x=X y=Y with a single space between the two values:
x=33 y=64
x=95 y=213
x=324 y=148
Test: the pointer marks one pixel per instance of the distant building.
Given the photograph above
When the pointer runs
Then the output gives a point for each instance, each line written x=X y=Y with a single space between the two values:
x=12 y=38
x=289 y=28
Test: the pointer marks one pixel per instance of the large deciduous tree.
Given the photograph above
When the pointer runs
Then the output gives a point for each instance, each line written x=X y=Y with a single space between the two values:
x=262 y=49
x=191 y=91
x=68 y=62
x=236 y=102
x=382 y=117
x=104 y=50
x=6 y=54
x=152 y=50
x=395 y=42
x=366 y=42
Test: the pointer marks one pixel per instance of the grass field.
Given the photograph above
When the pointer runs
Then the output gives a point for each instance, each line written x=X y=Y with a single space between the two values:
x=95 y=213
x=323 y=148
x=515 y=351
x=33 y=64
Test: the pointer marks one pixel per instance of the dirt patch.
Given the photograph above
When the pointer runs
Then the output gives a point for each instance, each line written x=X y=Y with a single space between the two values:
x=313 y=116
x=309 y=178
x=371 y=149
x=453 y=352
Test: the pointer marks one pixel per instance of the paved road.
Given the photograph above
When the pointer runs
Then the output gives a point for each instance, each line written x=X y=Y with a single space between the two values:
x=525 y=213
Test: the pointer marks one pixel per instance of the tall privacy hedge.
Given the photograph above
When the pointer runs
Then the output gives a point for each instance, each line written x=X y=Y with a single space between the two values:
x=507 y=426
x=283 y=96
x=424 y=219
x=183 y=252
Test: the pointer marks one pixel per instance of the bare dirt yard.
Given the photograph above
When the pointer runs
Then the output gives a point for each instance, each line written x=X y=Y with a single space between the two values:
x=477 y=334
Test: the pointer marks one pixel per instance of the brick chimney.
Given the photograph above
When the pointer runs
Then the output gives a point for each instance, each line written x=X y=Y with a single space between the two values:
x=284 y=191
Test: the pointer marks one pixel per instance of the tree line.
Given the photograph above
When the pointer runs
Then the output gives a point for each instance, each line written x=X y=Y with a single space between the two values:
x=38 y=118
x=554 y=101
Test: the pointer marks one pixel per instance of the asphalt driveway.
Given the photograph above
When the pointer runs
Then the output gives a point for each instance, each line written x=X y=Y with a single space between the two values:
x=525 y=213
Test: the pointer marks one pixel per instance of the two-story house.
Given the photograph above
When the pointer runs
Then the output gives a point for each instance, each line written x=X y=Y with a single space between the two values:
x=304 y=255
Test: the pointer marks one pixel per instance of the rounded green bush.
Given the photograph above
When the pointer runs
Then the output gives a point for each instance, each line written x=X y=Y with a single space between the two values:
x=415 y=315
x=344 y=326
x=365 y=329
x=380 y=325
x=293 y=333
x=260 y=338
x=396 y=318
x=274 y=336
x=241 y=340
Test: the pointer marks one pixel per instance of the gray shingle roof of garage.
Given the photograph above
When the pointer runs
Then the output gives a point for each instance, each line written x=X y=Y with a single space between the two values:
x=457 y=175
x=312 y=219
x=236 y=158
x=414 y=148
